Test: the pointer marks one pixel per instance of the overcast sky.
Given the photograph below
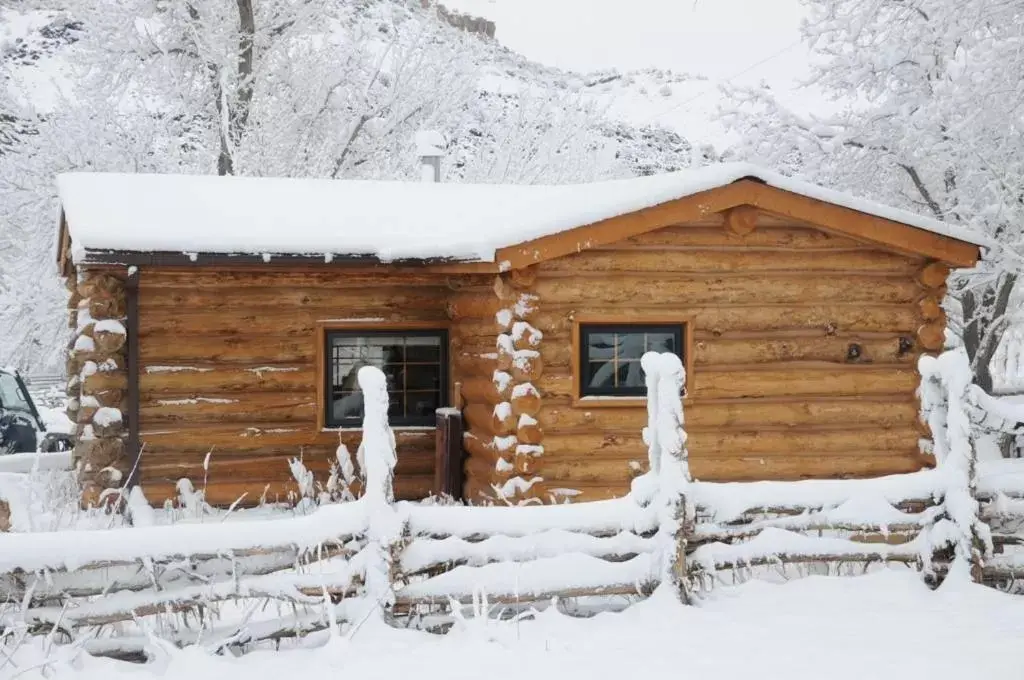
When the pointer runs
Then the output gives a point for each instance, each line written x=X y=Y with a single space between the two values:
x=740 y=41
x=716 y=38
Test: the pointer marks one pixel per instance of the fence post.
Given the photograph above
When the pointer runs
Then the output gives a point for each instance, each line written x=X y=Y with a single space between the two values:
x=666 y=440
x=385 y=527
x=448 y=453
x=945 y=386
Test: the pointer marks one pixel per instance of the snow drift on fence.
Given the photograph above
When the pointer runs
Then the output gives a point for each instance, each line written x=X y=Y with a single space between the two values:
x=1001 y=477
x=724 y=502
x=71 y=550
x=566 y=575
x=599 y=517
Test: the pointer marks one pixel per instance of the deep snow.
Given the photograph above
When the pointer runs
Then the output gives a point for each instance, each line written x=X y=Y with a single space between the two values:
x=883 y=625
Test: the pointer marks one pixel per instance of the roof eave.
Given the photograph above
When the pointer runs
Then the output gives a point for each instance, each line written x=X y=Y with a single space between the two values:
x=128 y=258
x=883 y=232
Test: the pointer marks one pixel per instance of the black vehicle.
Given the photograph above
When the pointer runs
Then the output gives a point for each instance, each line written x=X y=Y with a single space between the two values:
x=21 y=428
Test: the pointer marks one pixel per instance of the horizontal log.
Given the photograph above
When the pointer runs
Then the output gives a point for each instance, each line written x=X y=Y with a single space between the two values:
x=406 y=602
x=786 y=443
x=893 y=534
x=896 y=410
x=738 y=469
x=932 y=336
x=485 y=391
x=556 y=491
x=98 y=284
x=472 y=344
x=481 y=445
x=298 y=321
x=279 y=438
x=473 y=364
x=155 y=280
x=527 y=368
x=557 y=351
x=105 y=381
x=750 y=469
x=867 y=557
x=690 y=290
x=253 y=349
x=484 y=419
x=930 y=308
x=731 y=261
x=482 y=471
x=366 y=298
x=530 y=433
x=250 y=493
x=775 y=381
x=933 y=275
x=201 y=379
x=475 y=305
x=231 y=467
x=765 y=236
x=591 y=469
x=528 y=403
x=479 y=493
x=520 y=279
x=230 y=407
x=826 y=318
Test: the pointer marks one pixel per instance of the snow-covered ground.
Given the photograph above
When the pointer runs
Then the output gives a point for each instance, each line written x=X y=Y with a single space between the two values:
x=883 y=625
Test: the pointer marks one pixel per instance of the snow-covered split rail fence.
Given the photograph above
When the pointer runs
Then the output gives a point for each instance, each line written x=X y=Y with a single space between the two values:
x=830 y=526
x=76 y=579
x=373 y=559
x=332 y=566
x=527 y=554
x=1001 y=495
x=513 y=555
x=930 y=520
x=370 y=559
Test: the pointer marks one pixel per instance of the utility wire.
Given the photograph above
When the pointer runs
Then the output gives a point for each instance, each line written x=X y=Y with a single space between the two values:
x=746 y=70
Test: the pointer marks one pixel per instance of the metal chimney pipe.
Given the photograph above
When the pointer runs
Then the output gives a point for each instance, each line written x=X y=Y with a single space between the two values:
x=430 y=146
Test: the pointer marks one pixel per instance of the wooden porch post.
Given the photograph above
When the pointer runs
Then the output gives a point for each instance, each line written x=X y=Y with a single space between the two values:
x=448 y=456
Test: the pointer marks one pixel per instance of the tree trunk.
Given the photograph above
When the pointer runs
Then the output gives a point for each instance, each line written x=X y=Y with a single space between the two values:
x=225 y=161
x=984 y=313
x=246 y=40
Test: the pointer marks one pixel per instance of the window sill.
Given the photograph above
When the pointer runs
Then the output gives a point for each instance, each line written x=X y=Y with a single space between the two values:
x=610 y=402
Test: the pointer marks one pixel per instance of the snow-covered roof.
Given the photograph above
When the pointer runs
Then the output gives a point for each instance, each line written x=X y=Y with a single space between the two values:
x=383 y=219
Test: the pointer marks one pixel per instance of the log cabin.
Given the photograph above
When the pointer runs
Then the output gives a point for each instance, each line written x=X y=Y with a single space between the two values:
x=219 y=323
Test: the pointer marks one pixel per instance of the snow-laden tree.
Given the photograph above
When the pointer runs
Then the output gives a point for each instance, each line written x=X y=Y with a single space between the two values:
x=325 y=89
x=288 y=88
x=929 y=95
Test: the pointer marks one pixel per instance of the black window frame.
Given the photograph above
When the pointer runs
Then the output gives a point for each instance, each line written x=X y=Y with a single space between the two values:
x=678 y=329
x=328 y=369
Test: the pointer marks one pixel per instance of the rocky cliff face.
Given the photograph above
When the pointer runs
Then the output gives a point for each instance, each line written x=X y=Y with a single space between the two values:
x=461 y=21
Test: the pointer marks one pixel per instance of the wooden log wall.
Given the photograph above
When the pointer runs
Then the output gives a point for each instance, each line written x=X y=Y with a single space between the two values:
x=497 y=358
x=805 y=346
x=98 y=384
x=228 y=366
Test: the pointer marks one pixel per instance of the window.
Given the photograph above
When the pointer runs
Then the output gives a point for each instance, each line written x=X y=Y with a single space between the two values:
x=610 y=356
x=414 y=362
